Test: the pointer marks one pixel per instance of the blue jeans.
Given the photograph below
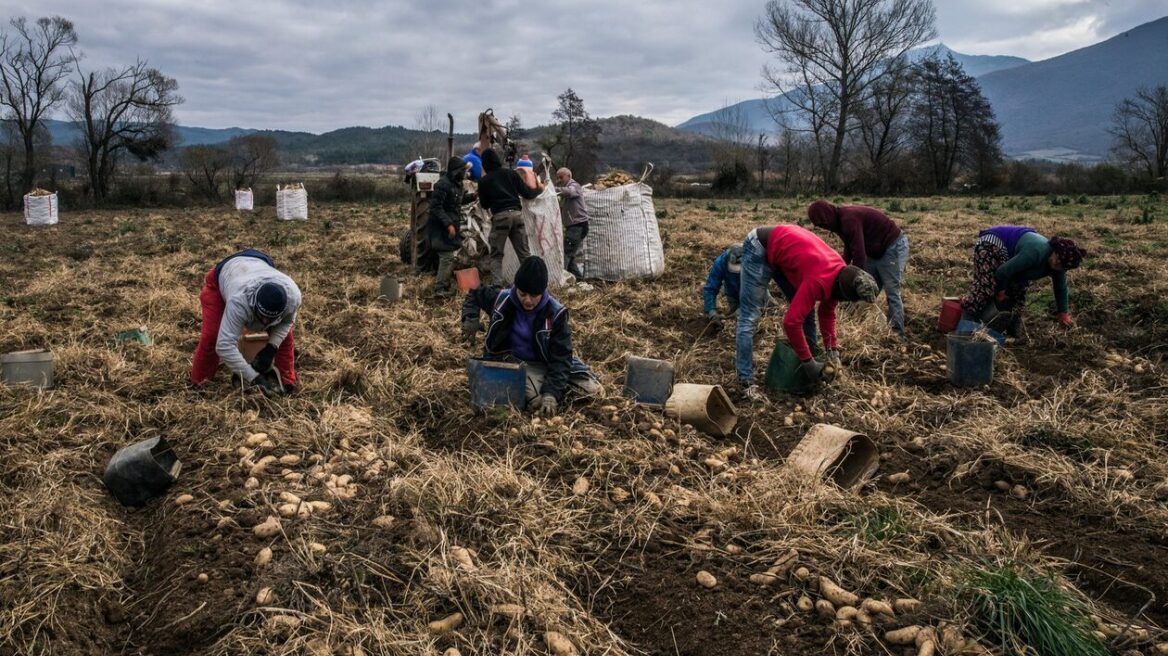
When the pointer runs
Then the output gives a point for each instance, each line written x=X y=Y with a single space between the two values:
x=752 y=298
x=888 y=272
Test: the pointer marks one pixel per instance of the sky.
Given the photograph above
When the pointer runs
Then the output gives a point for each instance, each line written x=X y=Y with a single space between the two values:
x=317 y=66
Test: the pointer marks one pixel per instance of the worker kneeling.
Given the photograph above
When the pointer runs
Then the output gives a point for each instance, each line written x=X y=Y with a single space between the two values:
x=246 y=290
x=528 y=324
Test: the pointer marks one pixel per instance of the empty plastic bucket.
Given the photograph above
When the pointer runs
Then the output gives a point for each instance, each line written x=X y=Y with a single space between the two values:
x=845 y=457
x=33 y=367
x=141 y=471
x=706 y=407
x=467 y=279
x=950 y=314
x=648 y=381
x=783 y=373
x=966 y=327
x=391 y=288
x=970 y=360
x=496 y=382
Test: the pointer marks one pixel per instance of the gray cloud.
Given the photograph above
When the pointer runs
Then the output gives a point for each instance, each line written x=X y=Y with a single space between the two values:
x=317 y=66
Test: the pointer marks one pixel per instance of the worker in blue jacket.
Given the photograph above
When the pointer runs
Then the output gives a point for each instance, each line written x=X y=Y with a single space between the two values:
x=724 y=276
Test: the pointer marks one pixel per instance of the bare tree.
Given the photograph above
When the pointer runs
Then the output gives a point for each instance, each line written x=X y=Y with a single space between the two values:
x=249 y=157
x=832 y=51
x=206 y=167
x=1141 y=131
x=122 y=110
x=881 y=122
x=578 y=134
x=431 y=138
x=732 y=151
x=35 y=59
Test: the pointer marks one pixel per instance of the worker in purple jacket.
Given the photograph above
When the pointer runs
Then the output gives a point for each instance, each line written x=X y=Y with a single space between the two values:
x=872 y=242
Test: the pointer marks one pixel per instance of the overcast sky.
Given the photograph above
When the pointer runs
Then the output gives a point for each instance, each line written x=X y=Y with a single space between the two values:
x=320 y=65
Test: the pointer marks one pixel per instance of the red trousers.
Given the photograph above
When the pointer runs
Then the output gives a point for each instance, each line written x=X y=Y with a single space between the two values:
x=207 y=360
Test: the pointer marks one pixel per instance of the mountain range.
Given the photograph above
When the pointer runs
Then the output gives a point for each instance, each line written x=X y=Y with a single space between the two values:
x=1058 y=108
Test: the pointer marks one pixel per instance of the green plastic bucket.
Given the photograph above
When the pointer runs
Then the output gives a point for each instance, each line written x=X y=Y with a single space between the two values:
x=783 y=372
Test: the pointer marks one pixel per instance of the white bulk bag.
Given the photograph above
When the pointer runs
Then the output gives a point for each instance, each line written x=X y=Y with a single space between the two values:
x=292 y=203
x=40 y=207
x=244 y=199
x=545 y=236
x=623 y=239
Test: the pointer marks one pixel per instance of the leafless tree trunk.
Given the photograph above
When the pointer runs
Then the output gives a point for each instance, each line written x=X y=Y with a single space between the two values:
x=431 y=140
x=34 y=61
x=1141 y=131
x=250 y=157
x=832 y=51
x=205 y=167
x=880 y=122
x=127 y=109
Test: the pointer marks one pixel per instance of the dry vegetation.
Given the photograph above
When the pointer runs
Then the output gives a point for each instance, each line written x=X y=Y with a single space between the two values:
x=1040 y=497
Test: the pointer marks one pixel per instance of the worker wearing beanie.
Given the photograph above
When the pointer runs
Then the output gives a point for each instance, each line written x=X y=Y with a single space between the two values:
x=1006 y=259
x=526 y=170
x=529 y=324
x=724 y=276
x=808 y=271
x=501 y=192
x=873 y=242
x=444 y=226
x=246 y=291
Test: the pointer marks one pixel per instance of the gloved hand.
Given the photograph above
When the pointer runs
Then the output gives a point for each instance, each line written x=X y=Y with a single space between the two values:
x=812 y=369
x=712 y=315
x=1000 y=296
x=545 y=406
x=833 y=357
x=1065 y=319
x=470 y=328
x=451 y=230
x=263 y=360
x=265 y=386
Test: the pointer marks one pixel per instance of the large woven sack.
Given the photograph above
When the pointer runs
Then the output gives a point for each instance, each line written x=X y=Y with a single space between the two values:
x=623 y=239
x=40 y=207
x=244 y=200
x=545 y=236
x=292 y=203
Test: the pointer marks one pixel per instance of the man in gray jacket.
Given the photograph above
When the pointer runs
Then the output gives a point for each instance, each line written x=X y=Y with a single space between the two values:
x=245 y=291
x=575 y=219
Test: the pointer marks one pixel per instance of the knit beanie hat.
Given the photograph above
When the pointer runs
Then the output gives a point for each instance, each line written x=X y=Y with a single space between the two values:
x=532 y=276
x=1068 y=252
x=525 y=162
x=270 y=301
x=855 y=284
x=822 y=214
x=734 y=258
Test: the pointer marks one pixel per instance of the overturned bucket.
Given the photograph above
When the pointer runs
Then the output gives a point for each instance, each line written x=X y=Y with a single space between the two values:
x=139 y=335
x=391 y=289
x=142 y=471
x=497 y=382
x=706 y=407
x=648 y=381
x=33 y=367
x=845 y=457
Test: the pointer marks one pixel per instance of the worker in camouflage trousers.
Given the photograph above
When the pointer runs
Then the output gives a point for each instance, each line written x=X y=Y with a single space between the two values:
x=246 y=291
x=527 y=323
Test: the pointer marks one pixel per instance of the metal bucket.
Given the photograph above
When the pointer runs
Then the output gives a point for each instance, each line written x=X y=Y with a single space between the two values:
x=845 y=457
x=495 y=382
x=706 y=407
x=648 y=381
x=33 y=367
x=142 y=471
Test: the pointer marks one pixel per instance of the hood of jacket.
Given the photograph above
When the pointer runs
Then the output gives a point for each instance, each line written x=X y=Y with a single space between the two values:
x=491 y=161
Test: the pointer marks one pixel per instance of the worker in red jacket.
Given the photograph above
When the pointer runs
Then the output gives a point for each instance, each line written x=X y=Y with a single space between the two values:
x=873 y=242
x=808 y=271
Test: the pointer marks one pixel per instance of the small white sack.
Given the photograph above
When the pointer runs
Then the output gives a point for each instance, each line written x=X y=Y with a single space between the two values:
x=244 y=199
x=545 y=236
x=292 y=203
x=40 y=209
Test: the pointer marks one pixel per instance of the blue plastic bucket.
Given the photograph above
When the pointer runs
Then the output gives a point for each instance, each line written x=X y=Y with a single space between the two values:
x=970 y=361
x=496 y=382
x=965 y=327
x=648 y=381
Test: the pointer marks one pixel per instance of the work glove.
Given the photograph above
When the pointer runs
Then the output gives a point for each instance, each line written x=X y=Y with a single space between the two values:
x=1065 y=319
x=451 y=230
x=263 y=360
x=812 y=369
x=545 y=406
x=833 y=357
x=470 y=328
x=712 y=315
x=265 y=386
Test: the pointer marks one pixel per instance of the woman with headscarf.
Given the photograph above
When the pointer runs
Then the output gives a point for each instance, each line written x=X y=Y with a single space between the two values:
x=1006 y=259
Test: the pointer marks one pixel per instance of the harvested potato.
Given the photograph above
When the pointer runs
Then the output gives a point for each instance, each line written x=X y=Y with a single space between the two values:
x=835 y=594
x=706 y=579
x=619 y=494
x=510 y=610
x=202 y=577
x=384 y=521
x=1002 y=485
x=320 y=506
x=581 y=486
x=263 y=557
x=290 y=459
x=461 y=555
x=906 y=605
x=183 y=499
x=255 y=439
x=452 y=652
x=846 y=613
x=876 y=607
x=803 y=574
x=1019 y=492
x=905 y=636
x=288 y=497
x=265 y=597
x=899 y=478
x=805 y=604
x=251 y=483
x=268 y=528
x=825 y=609
x=763 y=579
x=446 y=624
x=558 y=644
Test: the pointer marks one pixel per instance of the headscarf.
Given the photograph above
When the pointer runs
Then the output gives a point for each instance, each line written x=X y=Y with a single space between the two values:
x=1068 y=252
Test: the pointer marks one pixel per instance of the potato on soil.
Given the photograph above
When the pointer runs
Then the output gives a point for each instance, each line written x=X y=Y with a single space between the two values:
x=184 y=499
x=581 y=486
x=461 y=555
x=763 y=579
x=251 y=483
x=825 y=609
x=268 y=528
x=805 y=604
x=899 y=478
x=906 y=605
x=803 y=574
x=384 y=521
x=846 y=613
x=558 y=644
x=706 y=579
x=446 y=624
x=263 y=557
x=876 y=607
x=835 y=594
x=265 y=597
x=905 y=636
x=452 y=652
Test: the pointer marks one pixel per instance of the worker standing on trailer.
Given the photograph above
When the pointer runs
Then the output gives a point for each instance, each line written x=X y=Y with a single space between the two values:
x=242 y=291
x=444 y=226
x=575 y=218
x=808 y=271
x=1006 y=259
x=500 y=193
x=873 y=242
x=529 y=324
